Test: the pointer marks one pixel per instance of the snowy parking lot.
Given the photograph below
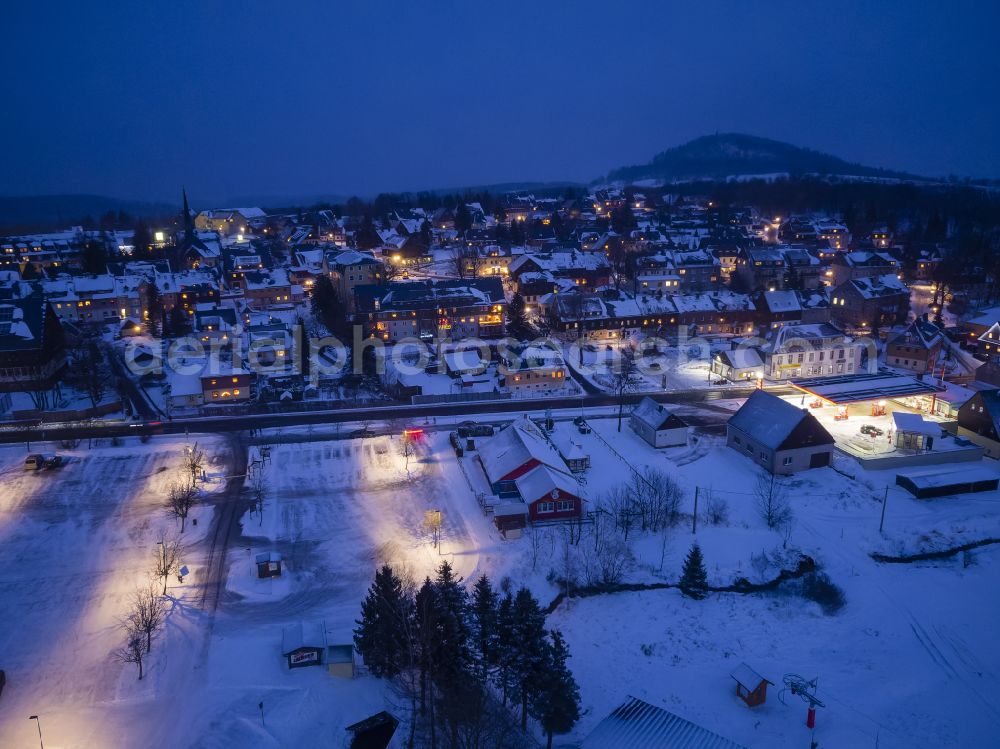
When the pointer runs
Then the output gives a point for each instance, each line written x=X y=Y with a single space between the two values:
x=908 y=659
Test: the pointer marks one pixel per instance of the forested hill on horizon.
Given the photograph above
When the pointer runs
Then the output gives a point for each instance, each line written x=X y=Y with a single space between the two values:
x=710 y=158
x=719 y=156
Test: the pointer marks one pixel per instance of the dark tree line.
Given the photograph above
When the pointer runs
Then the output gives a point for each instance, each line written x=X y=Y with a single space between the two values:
x=467 y=663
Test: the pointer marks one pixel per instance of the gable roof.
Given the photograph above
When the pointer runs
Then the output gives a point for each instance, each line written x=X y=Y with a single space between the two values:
x=541 y=481
x=741 y=358
x=638 y=725
x=776 y=424
x=23 y=323
x=920 y=332
x=515 y=445
x=747 y=678
x=657 y=416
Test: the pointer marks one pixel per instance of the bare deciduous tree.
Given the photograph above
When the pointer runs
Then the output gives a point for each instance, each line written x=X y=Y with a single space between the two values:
x=180 y=500
x=772 y=502
x=656 y=498
x=716 y=509
x=612 y=556
x=168 y=558
x=134 y=649
x=623 y=376
x=259 y=491
x=147 y=611
x=407 y=448
x=194 y=460
x=618 y=504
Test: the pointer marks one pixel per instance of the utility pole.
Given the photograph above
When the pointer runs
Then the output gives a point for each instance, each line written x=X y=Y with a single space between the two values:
x=694 y=516
x=885 y=501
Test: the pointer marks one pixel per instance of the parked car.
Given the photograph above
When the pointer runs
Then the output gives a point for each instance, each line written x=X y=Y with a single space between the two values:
x=34 y=462
x=53 y=461
x=581 y=424
x=472 y=429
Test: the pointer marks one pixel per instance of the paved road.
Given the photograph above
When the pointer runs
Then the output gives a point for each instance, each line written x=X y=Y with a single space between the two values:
x=225 y=522
x=216 y=424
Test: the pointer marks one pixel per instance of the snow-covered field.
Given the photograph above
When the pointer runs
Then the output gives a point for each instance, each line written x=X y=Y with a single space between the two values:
x=911 y=659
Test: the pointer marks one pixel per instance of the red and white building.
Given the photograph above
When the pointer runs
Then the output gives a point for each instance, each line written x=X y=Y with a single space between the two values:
x=529 y=477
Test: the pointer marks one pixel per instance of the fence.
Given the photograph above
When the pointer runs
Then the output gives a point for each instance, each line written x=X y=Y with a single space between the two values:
x=417 y=400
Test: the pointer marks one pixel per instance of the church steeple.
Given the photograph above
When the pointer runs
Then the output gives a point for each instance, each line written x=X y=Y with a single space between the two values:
x=188 y=222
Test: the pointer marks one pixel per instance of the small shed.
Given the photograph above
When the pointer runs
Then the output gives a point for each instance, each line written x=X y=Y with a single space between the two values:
x=269 y=564
x=303 y=644
x=751 y=687
x=659 y=426
x=942 y=482
x=340 y=661
x=575 y=457
x=375 y=732
x=913 y=432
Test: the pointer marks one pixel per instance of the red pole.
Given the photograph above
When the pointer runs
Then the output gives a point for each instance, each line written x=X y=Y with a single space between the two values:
x=811 y=718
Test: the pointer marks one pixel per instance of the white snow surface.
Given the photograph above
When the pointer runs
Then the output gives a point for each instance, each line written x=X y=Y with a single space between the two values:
x=911 y=659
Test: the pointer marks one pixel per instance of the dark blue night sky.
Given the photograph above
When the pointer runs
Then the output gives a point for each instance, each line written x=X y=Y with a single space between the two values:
x=132 y=99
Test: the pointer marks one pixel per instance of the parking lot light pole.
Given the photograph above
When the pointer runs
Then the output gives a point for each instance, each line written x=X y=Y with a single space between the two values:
x=39 y=724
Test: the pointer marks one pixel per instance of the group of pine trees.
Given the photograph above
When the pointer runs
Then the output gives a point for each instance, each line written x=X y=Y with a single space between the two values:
x=465 y=661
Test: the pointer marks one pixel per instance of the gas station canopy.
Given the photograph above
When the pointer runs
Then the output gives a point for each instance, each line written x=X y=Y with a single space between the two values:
x=864 y=387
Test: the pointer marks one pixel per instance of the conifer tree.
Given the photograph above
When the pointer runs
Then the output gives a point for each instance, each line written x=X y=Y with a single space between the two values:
x=454 y=656
x=485 y=624
x=694 y=578
x=517 y=318
x=556 y=706
x=527 y=667
x=505 y=646
x=426 y=636
x=382 y=633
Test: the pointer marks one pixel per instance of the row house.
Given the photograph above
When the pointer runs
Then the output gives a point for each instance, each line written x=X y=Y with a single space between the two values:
x=229 y=221
x=454 y=309
x=916 y=348
x=696 y=269
x=761 y=268
x=532 y=369
x=796 y=351
x=876 y=302
x=807 y=266
x=402 y=251
x=96 y=299
x=240 y=260
x=199 y=249
x=350 y=269
x=834 y=234
x=715 y=312
x=777 y=308
x=726 y=258
x=32 y=344
x=61 y=249
x=584 y=269
x=307 y=264
x=266 y=289
x=186 y=290
x=491 y=260
x=846 y=266
x=213 y=322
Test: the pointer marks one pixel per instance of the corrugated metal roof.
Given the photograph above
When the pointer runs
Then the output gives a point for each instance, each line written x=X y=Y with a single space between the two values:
x=639 y=725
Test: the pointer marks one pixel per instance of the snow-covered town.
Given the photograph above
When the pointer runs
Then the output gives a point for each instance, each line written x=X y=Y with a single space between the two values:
x=300 y=449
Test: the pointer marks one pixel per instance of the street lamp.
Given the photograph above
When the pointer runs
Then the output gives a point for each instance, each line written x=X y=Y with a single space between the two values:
x=39 y=724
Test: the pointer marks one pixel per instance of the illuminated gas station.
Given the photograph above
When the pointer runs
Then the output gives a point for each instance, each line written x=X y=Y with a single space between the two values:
x=858 y=409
